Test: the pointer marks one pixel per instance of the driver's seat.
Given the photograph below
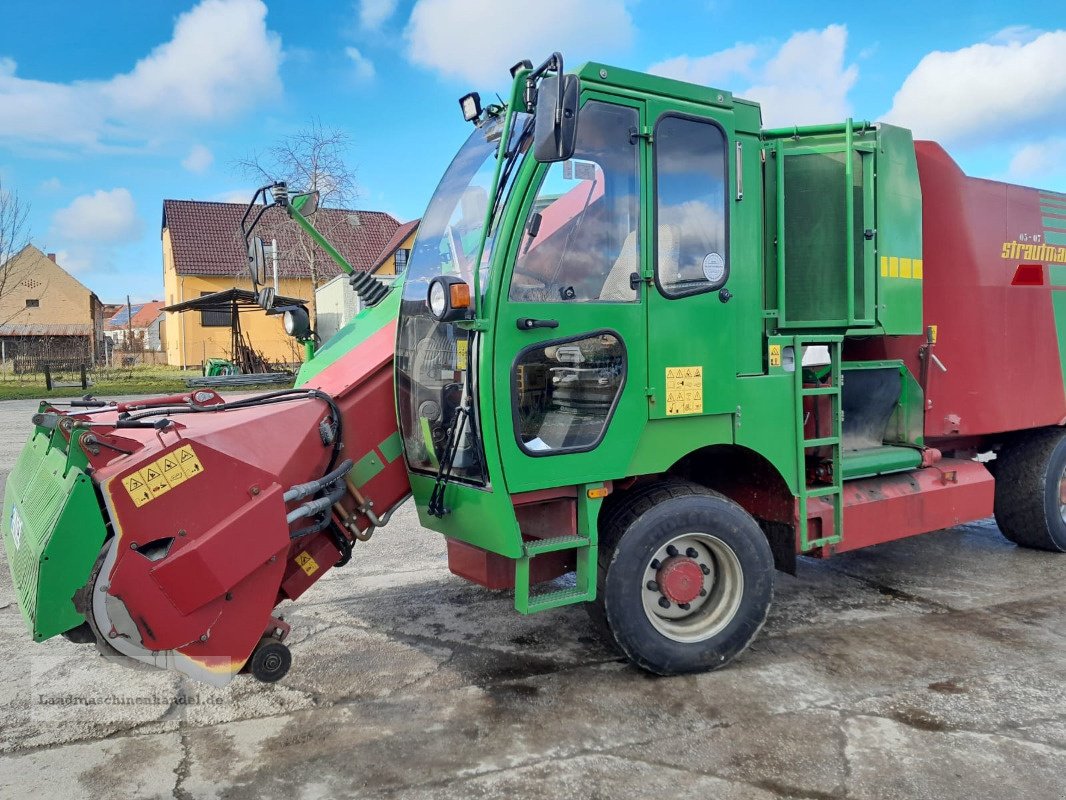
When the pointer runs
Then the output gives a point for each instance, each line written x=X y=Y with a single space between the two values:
x=617 y=289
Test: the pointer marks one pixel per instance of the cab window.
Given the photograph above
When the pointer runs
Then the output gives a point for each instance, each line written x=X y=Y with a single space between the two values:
x=690 y=206
x=581 y=236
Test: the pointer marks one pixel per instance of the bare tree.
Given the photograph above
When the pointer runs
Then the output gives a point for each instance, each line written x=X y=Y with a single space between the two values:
x=14 y=233
x=315 y=158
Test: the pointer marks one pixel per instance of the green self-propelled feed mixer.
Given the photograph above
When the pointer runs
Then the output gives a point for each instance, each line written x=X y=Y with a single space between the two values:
x=644 y=353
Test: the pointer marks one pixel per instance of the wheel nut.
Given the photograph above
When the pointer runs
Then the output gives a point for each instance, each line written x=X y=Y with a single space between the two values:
x=652 y=586
x=671 y=551
x=683 y=606
x=655 y=564
x=706 y=569
x=664 y=603
x=691 y=552
x=703 y=592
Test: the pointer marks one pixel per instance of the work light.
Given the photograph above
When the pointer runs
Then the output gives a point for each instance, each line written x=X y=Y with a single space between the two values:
x=297 y=323
x=471 y=105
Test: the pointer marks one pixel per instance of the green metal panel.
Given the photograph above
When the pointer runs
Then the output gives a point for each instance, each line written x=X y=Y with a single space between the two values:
x=906 y=426
x=607 y=459
x=880 y=461
x=899 y=233
x=365 y=324
x=823 y=264
x=1058 y=301
x=53 y=529
x=700 y=331
x=481 y=517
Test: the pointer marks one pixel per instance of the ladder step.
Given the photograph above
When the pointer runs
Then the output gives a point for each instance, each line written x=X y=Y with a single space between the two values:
x=823 y=491
x=825 y=440
x=560 y=597
x=821 y=390
x=538 y=546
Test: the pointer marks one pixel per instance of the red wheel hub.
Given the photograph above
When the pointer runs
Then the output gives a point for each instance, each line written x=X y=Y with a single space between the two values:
x=680 y=579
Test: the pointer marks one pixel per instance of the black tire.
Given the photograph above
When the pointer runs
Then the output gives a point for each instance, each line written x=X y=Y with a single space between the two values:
x=633 y=529
x=271 y=660
x=1027 y=504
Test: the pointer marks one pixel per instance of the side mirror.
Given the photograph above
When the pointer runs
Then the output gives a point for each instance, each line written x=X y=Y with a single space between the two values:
x=266 y=297
x=306 y=204
x=555 y=127
x=257 y=262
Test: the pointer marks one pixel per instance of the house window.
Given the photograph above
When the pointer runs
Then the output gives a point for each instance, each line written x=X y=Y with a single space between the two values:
x=33 y=303
x=401 y=260
x=215 y=319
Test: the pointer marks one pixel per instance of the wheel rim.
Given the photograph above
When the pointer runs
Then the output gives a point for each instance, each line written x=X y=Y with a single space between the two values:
x=1062 y=495
x=272 y=662
x=693 y=586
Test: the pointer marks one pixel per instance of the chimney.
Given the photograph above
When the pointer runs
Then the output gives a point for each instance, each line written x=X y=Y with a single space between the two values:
x=52 y=257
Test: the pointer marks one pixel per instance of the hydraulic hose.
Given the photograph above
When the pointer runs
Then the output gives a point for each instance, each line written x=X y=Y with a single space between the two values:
x=316 y=506
x=302 y=490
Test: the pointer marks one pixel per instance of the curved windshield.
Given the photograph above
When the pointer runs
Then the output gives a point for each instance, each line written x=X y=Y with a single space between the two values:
x=432 y=357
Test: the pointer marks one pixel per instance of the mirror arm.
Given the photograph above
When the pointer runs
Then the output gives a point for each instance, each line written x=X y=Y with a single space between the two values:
x=554 y=62
x=262 y=190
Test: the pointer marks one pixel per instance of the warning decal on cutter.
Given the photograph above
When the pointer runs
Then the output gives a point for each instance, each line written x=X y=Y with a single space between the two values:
x=162 y=475
x=305 y=562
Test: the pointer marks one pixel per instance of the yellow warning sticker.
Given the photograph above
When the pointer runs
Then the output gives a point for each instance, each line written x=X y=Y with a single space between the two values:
x=162 y=475
x=461 y=349
x=775 y=355
x=188 y=461
x=306 y=563
x=137 y=486
x=684 y=390
x=172 y=470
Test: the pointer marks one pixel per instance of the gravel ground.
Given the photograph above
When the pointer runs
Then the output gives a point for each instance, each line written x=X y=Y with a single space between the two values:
x=927 y=668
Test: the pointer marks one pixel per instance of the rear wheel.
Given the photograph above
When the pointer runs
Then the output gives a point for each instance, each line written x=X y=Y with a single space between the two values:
x=686 y=578
x=270 y=661
x=1030 y=505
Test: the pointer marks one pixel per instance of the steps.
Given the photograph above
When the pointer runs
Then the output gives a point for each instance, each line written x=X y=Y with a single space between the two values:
x=832 y=492
x=583 y=543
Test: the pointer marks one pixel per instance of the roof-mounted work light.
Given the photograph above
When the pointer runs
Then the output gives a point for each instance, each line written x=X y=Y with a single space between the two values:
x=471 y=105
x=525 y=63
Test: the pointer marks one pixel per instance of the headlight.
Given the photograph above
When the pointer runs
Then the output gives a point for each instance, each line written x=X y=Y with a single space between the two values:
x=448 y=298
x=438 y=299
x=297 y=323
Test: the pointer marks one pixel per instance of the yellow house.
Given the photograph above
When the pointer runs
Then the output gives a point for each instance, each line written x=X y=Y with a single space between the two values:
x=204 y=252
x=46 y=314
x=394 y=255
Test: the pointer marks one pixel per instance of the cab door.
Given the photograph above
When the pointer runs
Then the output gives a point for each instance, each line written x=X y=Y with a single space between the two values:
x=692 y=358
x=570 y=364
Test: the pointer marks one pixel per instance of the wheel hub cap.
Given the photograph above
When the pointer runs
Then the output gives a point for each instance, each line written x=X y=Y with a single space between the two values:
x=680 y=579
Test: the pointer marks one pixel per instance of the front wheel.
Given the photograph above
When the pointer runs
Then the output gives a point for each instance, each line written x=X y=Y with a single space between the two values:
x=686 y=578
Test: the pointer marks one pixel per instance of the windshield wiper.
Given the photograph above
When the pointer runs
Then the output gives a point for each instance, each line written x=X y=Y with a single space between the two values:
x=508 y=165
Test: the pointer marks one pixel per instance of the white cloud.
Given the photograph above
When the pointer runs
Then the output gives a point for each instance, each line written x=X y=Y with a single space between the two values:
x=73 y=262
x=1038 y=160
x=103 y=217
x=713 y=70
x=806 y=81
x=242 y=196
x=51 y=185
x=364 y=67
x=374 y=13
x=443 y=34
x=199 y=159
x=220 y=60
x=988 y=91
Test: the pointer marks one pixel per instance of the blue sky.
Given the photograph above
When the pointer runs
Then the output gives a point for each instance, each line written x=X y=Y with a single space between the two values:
x=108 y=108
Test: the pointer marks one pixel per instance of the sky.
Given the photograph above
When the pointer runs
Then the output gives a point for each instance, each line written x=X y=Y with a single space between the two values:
x=106 y=109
